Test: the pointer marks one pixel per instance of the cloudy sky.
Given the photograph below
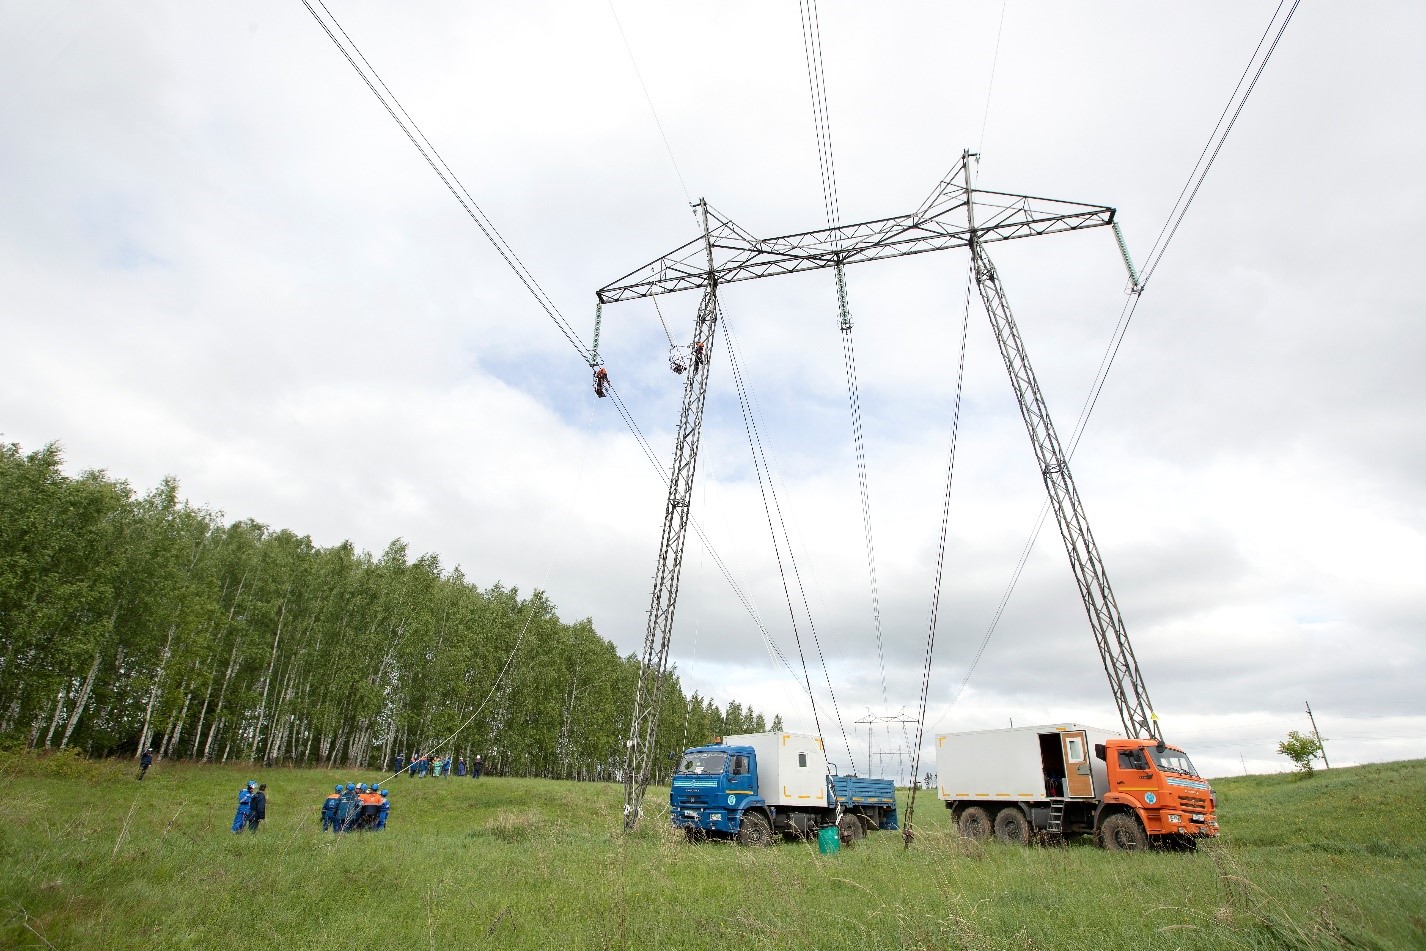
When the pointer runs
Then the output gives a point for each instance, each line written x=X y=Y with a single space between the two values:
x=223 y=261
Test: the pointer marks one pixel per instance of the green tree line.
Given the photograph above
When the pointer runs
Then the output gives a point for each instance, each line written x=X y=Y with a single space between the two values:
x=137 y=621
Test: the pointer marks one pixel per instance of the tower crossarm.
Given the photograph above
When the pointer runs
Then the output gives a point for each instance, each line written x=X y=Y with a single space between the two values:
x=939 y=224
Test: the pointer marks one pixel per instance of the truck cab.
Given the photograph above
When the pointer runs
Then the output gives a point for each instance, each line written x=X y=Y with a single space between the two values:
x=712 y=786
x=1158 y=785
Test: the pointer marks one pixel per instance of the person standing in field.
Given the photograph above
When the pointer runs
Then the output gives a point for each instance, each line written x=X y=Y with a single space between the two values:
x=329 y=809
x=436 y=769
x=446 y=768
x=460 y=766
x=245 y=798
x=145 y=762
x=257 y=808
x=476 y=767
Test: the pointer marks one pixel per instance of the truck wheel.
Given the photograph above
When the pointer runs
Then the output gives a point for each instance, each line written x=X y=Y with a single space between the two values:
x=974 y=823
x=850 y=829
x=1011 y=827
x=1121 y=832
x=754 y=830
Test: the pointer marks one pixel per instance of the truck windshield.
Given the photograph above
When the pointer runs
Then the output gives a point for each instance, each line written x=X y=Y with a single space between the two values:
x=1171 y=760
x=703 y=763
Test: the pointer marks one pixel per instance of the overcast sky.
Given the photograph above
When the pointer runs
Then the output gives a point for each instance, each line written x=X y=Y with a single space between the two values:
x=223 y=261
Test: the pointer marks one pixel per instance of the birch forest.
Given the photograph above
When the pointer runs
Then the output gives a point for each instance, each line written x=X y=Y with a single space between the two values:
x=132 y=621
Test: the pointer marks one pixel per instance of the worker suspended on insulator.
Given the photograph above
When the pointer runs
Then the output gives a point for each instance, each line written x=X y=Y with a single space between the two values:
x=601 y=380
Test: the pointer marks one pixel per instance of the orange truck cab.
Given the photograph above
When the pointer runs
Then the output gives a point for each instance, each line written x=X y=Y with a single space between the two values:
x=1066 y=781
x=1158 y=787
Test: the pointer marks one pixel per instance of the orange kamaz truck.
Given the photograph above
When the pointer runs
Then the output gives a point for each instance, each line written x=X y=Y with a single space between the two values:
x=1066 y=781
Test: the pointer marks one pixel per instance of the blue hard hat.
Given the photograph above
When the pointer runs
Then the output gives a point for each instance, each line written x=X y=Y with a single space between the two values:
x=386 y=792
x=339 y=787
x=361 y=787
x=252 y=782
x=351 y=786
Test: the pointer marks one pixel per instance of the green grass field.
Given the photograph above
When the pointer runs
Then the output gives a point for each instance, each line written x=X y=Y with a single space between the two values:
x=93 y=859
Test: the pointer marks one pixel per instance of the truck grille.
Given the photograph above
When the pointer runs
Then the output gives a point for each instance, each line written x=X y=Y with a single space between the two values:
x=691 y=800
x=1197 y=803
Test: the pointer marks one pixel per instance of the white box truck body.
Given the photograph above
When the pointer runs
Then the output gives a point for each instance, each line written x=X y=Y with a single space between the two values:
x=1066 y=780
x=1021 y=764
x=792 y=767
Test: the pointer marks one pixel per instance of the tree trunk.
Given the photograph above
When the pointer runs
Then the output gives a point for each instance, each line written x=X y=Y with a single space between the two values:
x=58 y=709
x=267 y=679
x=80 y=703
x=153 y=691
x=217 y=714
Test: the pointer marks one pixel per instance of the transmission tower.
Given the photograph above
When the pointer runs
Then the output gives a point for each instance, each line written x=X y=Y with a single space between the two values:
x=955 y=215
x=648 y=695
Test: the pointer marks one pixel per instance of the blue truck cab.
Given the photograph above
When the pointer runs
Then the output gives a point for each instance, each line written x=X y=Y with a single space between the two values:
x=754 y=786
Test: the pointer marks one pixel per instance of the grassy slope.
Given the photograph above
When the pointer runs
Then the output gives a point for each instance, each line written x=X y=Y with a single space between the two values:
x=96 y=860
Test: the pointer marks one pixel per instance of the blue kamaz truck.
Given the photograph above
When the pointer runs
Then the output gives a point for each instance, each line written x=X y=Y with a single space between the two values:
x=751 y=786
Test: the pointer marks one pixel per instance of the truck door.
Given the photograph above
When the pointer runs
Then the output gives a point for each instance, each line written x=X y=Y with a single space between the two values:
x=1078 y=781
x=742 y=779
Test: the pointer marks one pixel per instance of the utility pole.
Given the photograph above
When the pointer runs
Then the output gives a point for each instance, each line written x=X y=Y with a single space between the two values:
x=1321 y=747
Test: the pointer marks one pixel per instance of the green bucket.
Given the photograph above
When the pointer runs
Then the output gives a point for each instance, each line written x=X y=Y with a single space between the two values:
x=829 y=840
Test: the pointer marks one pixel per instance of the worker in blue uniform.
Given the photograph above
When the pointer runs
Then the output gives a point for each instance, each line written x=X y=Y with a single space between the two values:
x=385 y=808
x=345 y=807
x=245 y=798
x=329 y=809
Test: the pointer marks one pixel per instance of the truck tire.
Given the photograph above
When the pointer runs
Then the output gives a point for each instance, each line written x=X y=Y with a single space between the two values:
x=754 y=830
x=974 y=823
x=1011 y=826
x=850 y=829
x=1121 y=832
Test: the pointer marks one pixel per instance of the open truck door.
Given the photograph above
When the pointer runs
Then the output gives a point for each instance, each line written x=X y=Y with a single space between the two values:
x=1078 y=781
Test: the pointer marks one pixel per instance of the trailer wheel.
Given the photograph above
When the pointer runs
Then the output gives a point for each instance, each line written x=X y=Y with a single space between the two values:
x=1011 y=827
x=850 y=829
x=974 y=823
x=754 y=830
x=1121 y=832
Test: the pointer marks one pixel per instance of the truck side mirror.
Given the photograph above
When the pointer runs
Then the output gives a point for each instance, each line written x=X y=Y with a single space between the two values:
x=1099 y=751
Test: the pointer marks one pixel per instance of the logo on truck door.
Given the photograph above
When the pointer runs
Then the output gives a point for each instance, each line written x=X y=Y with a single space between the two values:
x=732 y=800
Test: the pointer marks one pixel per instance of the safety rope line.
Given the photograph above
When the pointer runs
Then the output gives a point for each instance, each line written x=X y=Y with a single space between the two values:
x=738 y=591
x=659 y=310
x=766 y=488
x=908 y=832
x=990 y=85
x=650 y=100
x=771 y=468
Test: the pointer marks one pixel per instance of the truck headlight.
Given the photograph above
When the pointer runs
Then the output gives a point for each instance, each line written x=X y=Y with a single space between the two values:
x=1175 y=817
x=1197 y=818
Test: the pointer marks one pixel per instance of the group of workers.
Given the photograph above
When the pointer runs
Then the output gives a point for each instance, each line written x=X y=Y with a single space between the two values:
x=252 y=806
x=427 y=765
x=355 y=806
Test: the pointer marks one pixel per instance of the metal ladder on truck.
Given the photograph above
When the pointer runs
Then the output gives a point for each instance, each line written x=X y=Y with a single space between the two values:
x=1056 y=825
